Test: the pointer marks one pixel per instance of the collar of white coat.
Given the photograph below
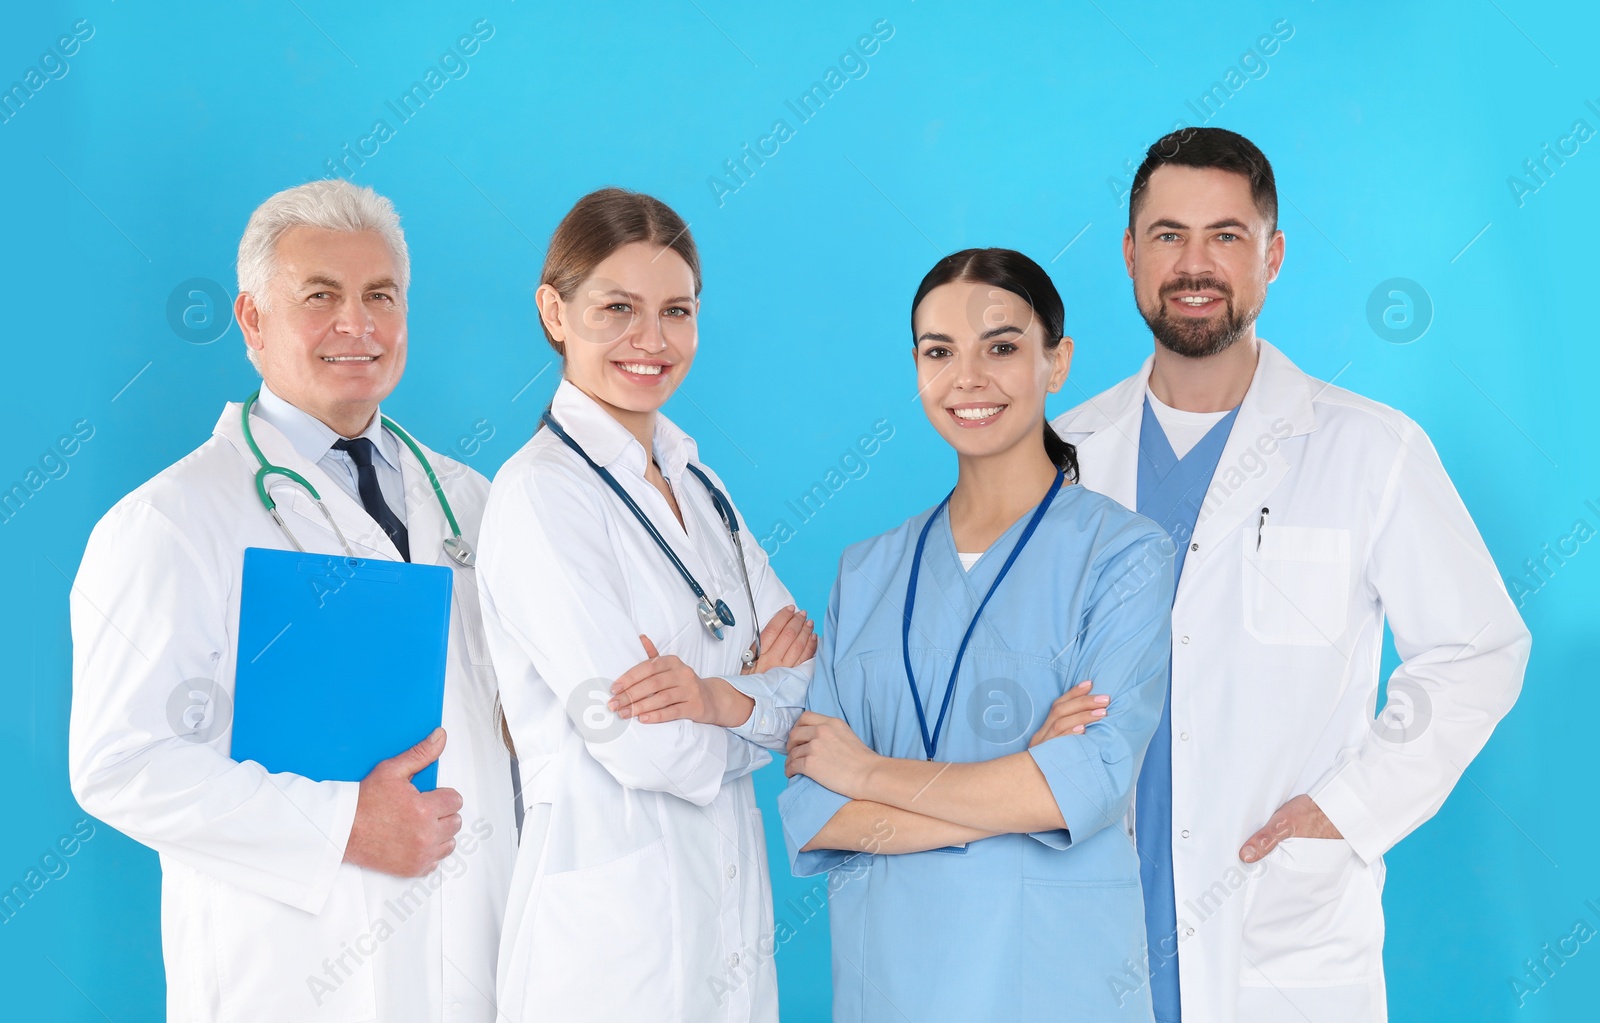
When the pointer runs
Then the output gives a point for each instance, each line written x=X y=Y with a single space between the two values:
x=1278 y=390
x=610 y=444
x=424 y=517
x=313 y=438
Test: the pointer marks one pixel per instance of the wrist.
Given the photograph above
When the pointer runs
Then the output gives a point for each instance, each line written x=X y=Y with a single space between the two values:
x=1325 y=828
x=867 y=779
x=732 y=707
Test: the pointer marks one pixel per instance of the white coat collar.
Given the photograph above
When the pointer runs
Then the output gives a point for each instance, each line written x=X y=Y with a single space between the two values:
x=425 y=523
x=610 y=444
x=1277 y=405
x=1279 y=389
x=426 y=526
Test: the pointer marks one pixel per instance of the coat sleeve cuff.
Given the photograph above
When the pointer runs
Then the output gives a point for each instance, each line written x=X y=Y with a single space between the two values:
x=760 y=727
x=806 y=808
x=1344 y=809
x=346 y=796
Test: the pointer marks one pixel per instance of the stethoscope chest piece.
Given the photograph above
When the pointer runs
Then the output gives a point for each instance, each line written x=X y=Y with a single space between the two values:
x=715 y=617
x=460 y=551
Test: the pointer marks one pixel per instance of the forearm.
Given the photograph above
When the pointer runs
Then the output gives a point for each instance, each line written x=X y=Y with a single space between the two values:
x=874 y=828
x=1008 y=795
x=680 y=757
x=278 y=835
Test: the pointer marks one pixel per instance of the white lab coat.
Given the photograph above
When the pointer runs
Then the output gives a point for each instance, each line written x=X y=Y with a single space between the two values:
x=260 y=919
x=641 y=889
x=1277 y=632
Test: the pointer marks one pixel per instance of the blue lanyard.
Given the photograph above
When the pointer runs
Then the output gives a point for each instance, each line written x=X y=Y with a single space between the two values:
x=930 y=743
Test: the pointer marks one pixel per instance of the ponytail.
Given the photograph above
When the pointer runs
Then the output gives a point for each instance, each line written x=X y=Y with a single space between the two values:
x=1064 y=455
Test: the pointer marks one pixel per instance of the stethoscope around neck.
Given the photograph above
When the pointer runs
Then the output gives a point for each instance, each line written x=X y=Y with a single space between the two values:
x=714 y=615
x=455 y=545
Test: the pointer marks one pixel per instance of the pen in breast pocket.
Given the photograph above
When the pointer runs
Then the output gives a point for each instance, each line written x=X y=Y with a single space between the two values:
x=1261 y=526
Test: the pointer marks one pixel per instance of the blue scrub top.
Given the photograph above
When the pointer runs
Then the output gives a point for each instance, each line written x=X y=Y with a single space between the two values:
x=1046 y=926
x=1171 y=490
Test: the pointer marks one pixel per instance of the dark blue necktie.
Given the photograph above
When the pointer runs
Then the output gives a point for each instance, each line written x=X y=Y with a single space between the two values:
x=361 y=451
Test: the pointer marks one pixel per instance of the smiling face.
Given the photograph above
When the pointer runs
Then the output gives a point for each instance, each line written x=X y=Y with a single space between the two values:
x=982 y=367
x=1201 y=256
x=629 y=331
x=332 y=339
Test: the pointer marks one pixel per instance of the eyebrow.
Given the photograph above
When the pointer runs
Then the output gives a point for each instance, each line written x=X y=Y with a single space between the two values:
x=383 y=284
x=932 y=335
x=321 y=281
x=1214 y=226
x=630 y=296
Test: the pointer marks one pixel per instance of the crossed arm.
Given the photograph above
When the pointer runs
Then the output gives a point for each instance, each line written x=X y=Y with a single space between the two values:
x=901 y=806
x=664 y=688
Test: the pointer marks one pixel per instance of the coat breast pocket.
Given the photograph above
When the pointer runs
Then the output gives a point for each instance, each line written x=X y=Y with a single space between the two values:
x=1296 y=585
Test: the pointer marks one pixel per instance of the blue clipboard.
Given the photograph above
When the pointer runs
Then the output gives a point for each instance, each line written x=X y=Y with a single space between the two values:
x=341 y=662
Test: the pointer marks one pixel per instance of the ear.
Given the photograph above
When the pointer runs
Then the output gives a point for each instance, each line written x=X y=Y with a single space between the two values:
x=552 y=311
x=1127 y=250
x=248 y=314
x=1062 y=357
x=1274 y=256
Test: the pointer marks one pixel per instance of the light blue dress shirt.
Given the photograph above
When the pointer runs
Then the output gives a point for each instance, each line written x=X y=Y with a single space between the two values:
x=313 y=440
x=1045 y=926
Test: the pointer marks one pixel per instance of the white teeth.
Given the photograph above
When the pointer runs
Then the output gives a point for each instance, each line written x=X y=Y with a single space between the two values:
x=1195 y=300
x=643 y=369
x=977 y=413
x=348 y=358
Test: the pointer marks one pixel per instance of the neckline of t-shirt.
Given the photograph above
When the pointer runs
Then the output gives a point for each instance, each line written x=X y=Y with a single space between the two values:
x=1165 y=411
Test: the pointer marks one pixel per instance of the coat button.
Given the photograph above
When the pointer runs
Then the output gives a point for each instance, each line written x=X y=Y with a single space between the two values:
x=1194 y=547
x=733 y=961
x=1189 y=932
x=733 y=872
x=1184 y=641
x=1184 y=736
x=1185 y=832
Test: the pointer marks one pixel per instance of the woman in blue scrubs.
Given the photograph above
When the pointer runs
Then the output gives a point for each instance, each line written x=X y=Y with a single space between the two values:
x=976 y=829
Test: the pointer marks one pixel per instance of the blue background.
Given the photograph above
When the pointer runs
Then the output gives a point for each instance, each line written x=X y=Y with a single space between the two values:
x=1393 y=127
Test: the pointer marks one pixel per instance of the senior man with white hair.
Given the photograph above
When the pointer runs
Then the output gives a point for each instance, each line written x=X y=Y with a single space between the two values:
x=282 y=897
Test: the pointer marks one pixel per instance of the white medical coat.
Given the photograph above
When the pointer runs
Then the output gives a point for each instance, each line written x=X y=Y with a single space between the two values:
x=260 y=918
x=1277 y=632
x=641 y=889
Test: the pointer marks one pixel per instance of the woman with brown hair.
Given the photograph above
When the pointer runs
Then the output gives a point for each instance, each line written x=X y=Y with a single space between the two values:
x=622 y=606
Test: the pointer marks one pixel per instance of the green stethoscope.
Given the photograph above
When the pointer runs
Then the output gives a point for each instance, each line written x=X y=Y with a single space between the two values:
x=455 y=545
